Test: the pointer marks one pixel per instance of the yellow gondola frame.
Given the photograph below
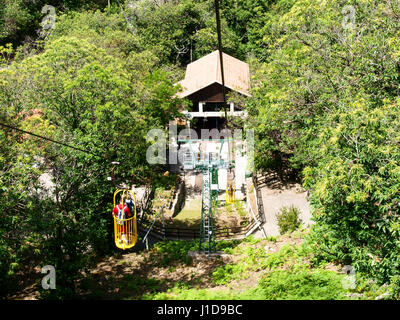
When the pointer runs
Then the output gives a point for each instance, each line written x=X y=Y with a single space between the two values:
x=128 y=225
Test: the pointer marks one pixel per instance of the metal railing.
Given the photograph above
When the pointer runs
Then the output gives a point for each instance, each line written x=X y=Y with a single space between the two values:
x=176 y=233
x=259 y=203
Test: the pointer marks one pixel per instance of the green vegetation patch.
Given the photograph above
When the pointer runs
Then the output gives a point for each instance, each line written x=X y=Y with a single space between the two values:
x=166 y=252
x=229 y=272
x=304 y=284
x=288 y=219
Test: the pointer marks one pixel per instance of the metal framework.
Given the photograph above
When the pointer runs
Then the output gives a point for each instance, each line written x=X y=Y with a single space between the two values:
x=209 y=164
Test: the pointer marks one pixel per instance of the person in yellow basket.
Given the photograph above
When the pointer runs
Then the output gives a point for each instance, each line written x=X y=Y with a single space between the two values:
x=122 y=212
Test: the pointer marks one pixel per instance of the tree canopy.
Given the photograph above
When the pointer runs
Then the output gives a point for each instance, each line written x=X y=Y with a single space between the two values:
x=324 y=107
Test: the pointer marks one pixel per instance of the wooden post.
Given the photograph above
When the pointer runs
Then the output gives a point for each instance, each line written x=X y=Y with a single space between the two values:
x=163 y=221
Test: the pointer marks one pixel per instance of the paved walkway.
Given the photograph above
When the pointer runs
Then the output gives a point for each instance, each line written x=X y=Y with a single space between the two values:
x=275 y=195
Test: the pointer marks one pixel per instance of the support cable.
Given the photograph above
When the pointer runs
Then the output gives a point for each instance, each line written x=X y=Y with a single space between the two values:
x=217 y=14
x=48 y=139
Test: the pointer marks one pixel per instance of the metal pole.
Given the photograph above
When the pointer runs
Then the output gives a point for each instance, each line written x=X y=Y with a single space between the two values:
x=220 y=56
x=148 y=231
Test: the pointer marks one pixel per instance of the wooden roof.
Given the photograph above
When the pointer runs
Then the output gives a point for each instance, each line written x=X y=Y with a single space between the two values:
x=207 y=70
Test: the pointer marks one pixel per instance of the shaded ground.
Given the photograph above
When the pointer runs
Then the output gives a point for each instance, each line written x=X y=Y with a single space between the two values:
x=30 y=280
x=167 y=272
x=135 y=275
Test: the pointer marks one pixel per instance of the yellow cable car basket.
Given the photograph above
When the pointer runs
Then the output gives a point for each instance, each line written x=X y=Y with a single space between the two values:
x=230 y=194
x=125 y=230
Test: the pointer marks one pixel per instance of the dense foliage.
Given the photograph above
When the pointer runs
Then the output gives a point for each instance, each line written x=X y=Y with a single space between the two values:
x=20 y=19
x=326 y=103
x=324 y=106
x=77 y=91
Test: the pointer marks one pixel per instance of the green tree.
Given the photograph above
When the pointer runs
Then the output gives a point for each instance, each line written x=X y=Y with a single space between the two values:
x=325 y=102
x=87 y=98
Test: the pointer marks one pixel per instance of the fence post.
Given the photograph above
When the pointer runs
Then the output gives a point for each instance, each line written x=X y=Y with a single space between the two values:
x=259 y=203
x=163 y=221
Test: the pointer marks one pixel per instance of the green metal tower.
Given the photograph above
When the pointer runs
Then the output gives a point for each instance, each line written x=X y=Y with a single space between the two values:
x=207 y=234
x=209 y=164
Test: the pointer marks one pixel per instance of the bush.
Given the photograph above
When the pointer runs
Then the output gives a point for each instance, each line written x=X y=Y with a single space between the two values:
x=288 y=219
x=355 y=190
x=347 y=143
